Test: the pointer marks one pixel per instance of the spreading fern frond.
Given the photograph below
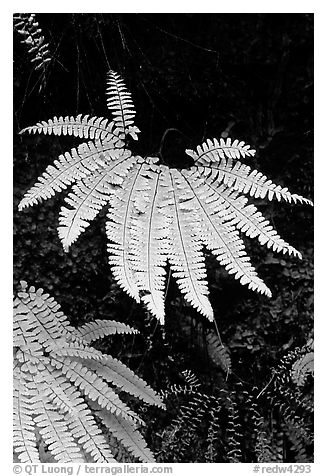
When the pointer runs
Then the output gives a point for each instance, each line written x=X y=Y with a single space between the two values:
x=159 y=215
x=57 y=373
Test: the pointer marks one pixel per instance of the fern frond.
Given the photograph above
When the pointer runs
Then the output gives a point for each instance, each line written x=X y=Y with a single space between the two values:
x=88 y=197
x=302 y=368
x=218 y=352
x=242 y=178
x=24 y=438
x=119 y=225
x=213 y=150
x=125 y=432
x=89 y=436
x=185 y=250
x=95 y=128
x=93 y=386
x=149 y=245
x=219 y=235
x=28 y=28
x=117 y=374
x=236 y=212
x=158 y=214
x=72 y=166
x=56 y=376
x=100 y=328
x=40 y=319
x=119 y=101
x=55 y=432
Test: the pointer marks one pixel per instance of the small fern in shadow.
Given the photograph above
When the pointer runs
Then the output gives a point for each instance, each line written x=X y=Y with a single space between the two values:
x=66 y=391
x=238 y=423
x=27 y=27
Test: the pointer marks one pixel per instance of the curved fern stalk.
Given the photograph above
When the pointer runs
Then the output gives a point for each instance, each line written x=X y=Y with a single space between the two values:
x=88 y=197
x=119 y=101
x=217 y=162
x=71 y=167
x=119 y=227
x=185 y=250
x=57 y=375
x=149 y=244
x=95 y=128
x=28 y=28
x=219 y=236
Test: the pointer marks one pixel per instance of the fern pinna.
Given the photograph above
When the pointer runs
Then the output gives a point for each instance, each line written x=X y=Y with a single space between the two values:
x=158 y=214
x=61 y=383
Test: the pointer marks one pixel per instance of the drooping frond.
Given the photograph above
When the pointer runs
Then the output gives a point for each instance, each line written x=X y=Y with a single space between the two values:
x=185 y=250
x=220 y=235
x=233 y=207
x=57 y=373
x=119 y=224
x=100 y=328
x=95 y=128
x=119 y=101
x=149 y=245
x=242 y=178
x=72 y=166
x=28 y=28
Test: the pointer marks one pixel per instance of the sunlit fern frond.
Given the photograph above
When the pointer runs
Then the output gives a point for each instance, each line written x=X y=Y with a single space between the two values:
x=159 y=215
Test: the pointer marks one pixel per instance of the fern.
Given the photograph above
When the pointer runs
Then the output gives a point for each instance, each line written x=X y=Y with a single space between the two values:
x=156 y=214
x=60 y=382
x=28 y=28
